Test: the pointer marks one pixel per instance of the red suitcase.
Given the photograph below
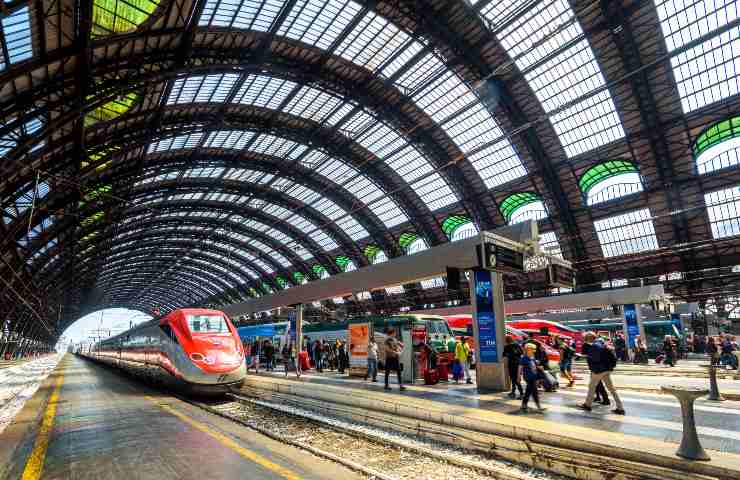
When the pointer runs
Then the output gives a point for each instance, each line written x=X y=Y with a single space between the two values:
x=443 y=373
x=430 y=377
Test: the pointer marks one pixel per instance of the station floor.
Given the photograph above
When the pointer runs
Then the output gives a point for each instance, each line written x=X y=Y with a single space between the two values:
x=88 y=421
x=649 y=415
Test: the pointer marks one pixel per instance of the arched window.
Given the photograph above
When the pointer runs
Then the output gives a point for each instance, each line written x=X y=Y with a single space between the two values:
x=300 y=278
x=718 y=146
x=458 y=227
x=345 y=264
x=522 y=206
x=320 y=271
x=609 y=180
x=282 y=282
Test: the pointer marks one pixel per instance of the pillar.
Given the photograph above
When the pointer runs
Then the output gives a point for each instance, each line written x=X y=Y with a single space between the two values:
x=633 y=325
x=489 y=329
x=299 y=327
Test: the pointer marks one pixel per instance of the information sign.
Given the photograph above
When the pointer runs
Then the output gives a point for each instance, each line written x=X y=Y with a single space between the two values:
x=485 y=317
x=630 y=319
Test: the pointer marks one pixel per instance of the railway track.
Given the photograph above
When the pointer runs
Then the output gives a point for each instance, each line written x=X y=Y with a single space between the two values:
x=377 y=453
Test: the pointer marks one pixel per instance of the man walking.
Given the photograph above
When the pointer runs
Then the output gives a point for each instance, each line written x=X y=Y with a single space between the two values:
x=393 y=349
x=462 y=353
x=601 y=361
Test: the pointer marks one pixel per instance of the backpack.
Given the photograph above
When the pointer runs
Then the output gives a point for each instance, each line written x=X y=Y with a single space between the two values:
x=610 y=359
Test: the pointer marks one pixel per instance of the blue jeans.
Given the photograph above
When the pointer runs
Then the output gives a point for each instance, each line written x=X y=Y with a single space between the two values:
x=372 y=369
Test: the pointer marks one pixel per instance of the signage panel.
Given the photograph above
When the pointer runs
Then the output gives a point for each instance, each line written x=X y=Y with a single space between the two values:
x=630 y=320
x=485 y=317
x=359 y=335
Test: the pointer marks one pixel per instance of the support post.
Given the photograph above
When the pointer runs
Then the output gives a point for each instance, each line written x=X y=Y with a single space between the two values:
x=633 y=325
x=489 y=329
x=299 y=327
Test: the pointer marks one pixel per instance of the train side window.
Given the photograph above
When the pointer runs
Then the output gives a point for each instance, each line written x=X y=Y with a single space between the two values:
x=168 y=331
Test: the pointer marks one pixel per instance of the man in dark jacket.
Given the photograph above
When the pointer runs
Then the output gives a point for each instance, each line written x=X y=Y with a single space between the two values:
x=600 y=365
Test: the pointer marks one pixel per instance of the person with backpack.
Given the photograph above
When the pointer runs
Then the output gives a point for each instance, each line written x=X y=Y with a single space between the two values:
x=462 y=353
x=528 y=370
x=601 y=362
x=566 y=360
x=513 y=354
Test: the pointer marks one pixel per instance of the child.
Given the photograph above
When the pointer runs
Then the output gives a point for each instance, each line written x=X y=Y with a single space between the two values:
x=528 y=370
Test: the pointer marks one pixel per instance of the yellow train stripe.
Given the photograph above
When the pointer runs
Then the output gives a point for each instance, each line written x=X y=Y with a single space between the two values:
x=35 y=464
x=226 y=441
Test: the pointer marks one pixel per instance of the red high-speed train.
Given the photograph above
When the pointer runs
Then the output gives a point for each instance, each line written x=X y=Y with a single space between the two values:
x=192 y=349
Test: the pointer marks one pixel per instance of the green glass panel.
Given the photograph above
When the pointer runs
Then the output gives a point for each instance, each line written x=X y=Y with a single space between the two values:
x=407 y=239
x=716 y=134
x=515 y=201
x=281 y=281
x=371 y=251
x=88 y=237
x=91 y=219
x=298 y=277
x=118 y=16
x=318 y=269
x=266 y=288
x=253 y=292
x=96 y=158
x=113 y=109
x=598 y=173
x=342 y=262
x=97 y=192
x=452 y=222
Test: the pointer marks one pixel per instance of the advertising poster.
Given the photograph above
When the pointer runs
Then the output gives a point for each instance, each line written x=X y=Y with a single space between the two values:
x=630 y=320
x=359 y=335
x=485 y=317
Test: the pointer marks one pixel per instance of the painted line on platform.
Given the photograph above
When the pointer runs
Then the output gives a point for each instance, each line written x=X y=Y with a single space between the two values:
x=35 y=464
x=231 y=444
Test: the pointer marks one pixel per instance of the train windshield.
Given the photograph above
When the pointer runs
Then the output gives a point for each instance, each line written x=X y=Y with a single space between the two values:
x=207 y=324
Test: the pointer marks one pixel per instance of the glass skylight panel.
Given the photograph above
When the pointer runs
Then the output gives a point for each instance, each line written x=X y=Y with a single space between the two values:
x=631 y=232
x=232 y=139
x=352 y=228
x=264 y=91
x=388 y=212
x=10 y=140
x=722 y=155
x=302 y=193
x=615 y=187
x=318 y=22
x=17 y=32
x=529 y=211
x=173 y=143
x=245 y=14
x=409 y=164
x=260 y=263
x=277 y=147
x=707 y=72
x=723 y=209
x=372 y=42
x=434 y=191
x=316 y=105
x=549 y=244
x=202 y=88
x=548 y=45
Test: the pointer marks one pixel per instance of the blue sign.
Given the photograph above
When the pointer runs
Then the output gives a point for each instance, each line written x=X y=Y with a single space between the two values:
x=630 y=319
x=485 y=317
x=676 y=320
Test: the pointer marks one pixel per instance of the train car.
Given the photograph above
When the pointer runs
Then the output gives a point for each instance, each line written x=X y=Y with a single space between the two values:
x=544 y=329
x=194 y=350
x=462 y=325
x=655 y=331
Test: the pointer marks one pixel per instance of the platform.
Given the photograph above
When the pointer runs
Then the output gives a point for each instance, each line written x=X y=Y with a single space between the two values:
x=650 y=432
x=104 y=425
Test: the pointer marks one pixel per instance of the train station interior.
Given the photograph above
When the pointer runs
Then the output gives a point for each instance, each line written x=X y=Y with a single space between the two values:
x=387 y=239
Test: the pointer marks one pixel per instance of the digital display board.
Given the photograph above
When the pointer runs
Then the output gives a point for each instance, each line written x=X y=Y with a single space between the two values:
x=485 y=316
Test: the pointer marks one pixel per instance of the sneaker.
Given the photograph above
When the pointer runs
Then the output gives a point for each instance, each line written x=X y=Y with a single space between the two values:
x=571 y=383
x=584 y=407
x=541 y=409
x=386 y=387
x=618 y=411
x=401 y=388
x=524 y=410
x=606 y=403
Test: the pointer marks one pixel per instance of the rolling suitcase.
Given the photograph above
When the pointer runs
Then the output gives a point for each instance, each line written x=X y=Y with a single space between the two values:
x=430 y=377
x=443 y=373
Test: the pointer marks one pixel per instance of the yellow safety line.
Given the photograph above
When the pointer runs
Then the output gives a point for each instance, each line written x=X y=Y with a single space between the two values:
x=35 y=463
x=226 y=441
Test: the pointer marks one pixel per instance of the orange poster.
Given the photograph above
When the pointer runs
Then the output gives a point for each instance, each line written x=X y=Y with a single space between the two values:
x=358 y=338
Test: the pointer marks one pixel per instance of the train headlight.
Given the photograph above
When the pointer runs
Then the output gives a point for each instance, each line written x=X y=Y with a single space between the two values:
x=197 y=357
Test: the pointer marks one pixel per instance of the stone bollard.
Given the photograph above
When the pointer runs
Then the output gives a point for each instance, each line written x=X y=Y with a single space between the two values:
x=714 y=394
x=690 y=447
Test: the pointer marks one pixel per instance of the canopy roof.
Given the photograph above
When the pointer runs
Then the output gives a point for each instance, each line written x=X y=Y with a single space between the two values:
x=162 y=154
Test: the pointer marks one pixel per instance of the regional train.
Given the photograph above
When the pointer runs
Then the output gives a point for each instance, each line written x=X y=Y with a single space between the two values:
x=194 y=350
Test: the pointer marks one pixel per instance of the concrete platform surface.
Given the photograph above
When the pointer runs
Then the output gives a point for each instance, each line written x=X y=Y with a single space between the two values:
x=649 y=415
x=90 y=422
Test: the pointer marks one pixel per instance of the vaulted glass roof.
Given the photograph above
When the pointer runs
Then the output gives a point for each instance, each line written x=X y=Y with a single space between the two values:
x=706 y=72
x=16 y=38
x=548 y=45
